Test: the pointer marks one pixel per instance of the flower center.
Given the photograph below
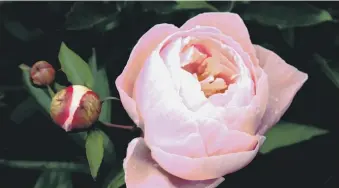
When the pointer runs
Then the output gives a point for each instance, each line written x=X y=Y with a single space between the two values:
x=215 y=72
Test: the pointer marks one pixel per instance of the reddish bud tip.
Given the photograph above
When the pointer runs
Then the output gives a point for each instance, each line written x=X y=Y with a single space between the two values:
x=75 y=107
x=42 y=73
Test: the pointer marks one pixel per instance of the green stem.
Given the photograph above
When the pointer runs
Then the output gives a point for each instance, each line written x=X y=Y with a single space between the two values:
x=109 y=98
x=127 y=127
x=50 y=91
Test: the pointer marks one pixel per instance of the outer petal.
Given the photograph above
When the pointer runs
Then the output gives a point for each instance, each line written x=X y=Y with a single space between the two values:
x=230 y=24
x=141 y=171
x=205 y=167
x=284 y=81
x=125 y=82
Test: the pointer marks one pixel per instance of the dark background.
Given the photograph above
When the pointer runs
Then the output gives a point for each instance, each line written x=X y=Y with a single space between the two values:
x=313 y=163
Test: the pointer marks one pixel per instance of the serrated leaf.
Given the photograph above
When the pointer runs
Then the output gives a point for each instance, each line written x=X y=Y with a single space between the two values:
x=86 y=15
x=331 y=72
x=95 y=151
x=37 y=93
x=298 y=14
x=75 y=68
x=101 y=87
x=54 y=179
x=45 y=165
x=24 y=110
x=285 y=134
x=118 y=180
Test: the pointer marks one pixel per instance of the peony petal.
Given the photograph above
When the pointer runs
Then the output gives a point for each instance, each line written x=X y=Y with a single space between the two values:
x=168 y=122
x=125 y=82
x=284 y=82
x=141 y=171
x=230 y=24
x=206 y=167
x=248 y=118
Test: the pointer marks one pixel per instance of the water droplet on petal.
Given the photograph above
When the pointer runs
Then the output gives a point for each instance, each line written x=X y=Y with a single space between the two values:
x=276 y=99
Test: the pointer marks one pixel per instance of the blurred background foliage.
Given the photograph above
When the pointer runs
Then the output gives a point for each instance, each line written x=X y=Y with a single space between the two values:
x=305 y=34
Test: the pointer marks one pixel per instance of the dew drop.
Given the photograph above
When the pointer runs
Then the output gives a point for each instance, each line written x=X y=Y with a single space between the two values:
x=276 y=111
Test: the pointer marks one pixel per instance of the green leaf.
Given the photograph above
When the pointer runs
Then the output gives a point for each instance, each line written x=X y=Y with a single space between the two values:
x=38 y=94
x=58 y=87
x=186 y=5
x=101 y=87
x=109 y=156
x=24 y=110
x=298 y=14
x=54 y=179
x=86 y=15
x=170 y=7
x=118 y=180
x=21 y=32
x=79 y=138
x=285 y=134
x=50 y=91
x=45 y=165
x=95 y=151
x=332 y=72
x=92 y=61
x=75 y=68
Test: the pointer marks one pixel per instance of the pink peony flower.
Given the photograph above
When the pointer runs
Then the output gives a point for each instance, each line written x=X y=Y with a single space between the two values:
x=204 y=96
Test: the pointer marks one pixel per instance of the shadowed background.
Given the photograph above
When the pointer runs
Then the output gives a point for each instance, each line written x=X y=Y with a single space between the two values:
x=33 y=31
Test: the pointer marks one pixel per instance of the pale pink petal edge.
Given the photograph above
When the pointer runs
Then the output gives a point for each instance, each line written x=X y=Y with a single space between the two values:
x=229 y=23
x=284 y=82
x=141 y=171
x=126 y=80
x=205 y=167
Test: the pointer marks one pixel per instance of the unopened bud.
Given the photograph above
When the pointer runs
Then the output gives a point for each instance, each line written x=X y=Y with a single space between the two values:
x=75 y=107
x=42 y=73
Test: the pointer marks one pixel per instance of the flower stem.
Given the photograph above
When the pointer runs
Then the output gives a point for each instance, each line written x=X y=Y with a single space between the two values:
x=127 y=127
x=50 y=91
x=109 y=98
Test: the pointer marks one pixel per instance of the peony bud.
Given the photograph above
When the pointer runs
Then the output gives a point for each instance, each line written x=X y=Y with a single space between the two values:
x=75 y=107
x=42 y=73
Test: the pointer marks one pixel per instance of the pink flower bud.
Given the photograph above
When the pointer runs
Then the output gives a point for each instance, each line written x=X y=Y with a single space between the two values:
x=75 y=107
x=42 y=73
